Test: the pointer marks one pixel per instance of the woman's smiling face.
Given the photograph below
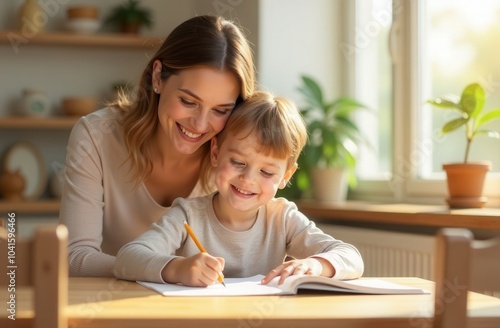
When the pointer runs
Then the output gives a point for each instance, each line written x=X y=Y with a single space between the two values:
x=194 y=105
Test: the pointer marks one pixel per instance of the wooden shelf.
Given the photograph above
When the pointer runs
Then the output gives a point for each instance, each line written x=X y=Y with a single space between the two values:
x=60 y=122
x=405 y=214
x=71 y=39
x=46 y=206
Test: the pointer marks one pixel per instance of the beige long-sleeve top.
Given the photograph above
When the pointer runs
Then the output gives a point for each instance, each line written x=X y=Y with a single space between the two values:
x=279 y=230
x=100 y=205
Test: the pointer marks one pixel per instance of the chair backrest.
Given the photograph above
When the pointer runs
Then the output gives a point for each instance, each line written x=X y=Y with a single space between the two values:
x=41 y=262
x=462 y=264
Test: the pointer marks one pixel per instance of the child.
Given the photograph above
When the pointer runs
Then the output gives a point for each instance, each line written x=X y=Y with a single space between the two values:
x=242 y=223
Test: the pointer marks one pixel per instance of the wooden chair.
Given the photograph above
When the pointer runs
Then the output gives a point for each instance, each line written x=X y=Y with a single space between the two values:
x=462 y=264
x=41 y=262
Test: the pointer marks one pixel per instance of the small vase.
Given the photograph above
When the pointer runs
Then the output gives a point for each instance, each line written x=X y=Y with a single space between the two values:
x=12 y=185
x=34 y=103
x=32 y=18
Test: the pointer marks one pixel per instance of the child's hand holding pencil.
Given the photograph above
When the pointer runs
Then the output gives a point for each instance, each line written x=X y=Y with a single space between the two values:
x=199 y=270
x=220 y=277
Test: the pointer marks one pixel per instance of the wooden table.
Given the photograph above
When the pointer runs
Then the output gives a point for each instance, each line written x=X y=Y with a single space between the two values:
x=107 y=302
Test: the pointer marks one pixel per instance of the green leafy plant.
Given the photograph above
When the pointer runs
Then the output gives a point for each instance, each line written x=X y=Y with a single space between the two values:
x=333 y=134
x=469 y=107
x=130 y=14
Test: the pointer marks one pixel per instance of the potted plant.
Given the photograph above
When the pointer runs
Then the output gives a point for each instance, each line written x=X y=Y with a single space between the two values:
x=129 y=17
x=328 y=160
x=466 y=179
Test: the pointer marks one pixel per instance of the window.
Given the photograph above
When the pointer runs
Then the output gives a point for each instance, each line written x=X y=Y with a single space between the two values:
x=457 y=49
x=405 y=52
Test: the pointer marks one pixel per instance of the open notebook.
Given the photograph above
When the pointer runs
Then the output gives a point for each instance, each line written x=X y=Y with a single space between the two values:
x=252 y=286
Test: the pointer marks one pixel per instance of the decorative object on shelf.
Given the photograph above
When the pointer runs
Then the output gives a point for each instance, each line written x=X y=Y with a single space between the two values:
x=79 y=106
x=28 y=161
x=465 y=180
x=34 y=103
x=331 y=149
x=83 y=19
x=12 y=185
x=32 y=18
x=129 y=17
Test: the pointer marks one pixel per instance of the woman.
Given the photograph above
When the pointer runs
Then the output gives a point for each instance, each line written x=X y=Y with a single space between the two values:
x=128 y=162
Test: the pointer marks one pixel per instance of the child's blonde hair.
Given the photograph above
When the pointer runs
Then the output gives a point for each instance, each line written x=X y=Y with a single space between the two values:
x=277 y=122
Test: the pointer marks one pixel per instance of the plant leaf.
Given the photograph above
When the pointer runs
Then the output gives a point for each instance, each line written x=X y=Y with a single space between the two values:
x=487 y=117
x=314 y=125
x=302 y=180
x=312 y=156
x=345 y=105
x=347 y=122
x=489 y=133
x=312 y=91
x=306 y=110
x=473 y=99
x=351 y=130
x=445 y=102
x=454 y=124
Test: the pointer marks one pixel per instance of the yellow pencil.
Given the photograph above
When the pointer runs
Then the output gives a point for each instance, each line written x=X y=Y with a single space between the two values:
x=201 y=248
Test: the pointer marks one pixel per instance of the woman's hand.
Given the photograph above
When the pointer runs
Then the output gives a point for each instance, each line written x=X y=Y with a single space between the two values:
x=314 y=266
x=199 y=270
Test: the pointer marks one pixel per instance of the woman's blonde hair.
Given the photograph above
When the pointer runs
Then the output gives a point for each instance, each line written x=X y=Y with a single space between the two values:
x=200 y=41
x=276 y=121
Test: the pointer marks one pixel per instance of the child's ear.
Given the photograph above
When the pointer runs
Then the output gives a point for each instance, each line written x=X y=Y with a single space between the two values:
x=288 y=175
x=214 y=151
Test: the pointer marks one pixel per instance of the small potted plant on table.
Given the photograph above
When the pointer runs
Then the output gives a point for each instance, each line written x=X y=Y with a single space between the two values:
x=466 y=179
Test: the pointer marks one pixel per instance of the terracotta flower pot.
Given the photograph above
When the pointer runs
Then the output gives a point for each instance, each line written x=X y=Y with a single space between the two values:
x=465 y=184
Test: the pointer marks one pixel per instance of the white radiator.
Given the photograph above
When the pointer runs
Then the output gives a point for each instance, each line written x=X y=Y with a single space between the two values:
x=386 y=253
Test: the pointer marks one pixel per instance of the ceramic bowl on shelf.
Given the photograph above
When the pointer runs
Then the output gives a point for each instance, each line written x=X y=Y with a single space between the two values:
x=79 y=106
x=83 y=19
x=83 y=25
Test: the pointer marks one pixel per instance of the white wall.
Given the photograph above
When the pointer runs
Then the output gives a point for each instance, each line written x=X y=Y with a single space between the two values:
x=300 y=37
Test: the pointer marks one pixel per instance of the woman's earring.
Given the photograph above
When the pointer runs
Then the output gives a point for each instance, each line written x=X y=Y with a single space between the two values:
x=156 y=90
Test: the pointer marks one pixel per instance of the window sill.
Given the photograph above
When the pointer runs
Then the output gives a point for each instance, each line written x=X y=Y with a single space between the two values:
x=404 y=214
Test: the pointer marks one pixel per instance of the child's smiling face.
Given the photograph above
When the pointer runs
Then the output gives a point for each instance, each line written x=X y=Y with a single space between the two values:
x=245 y=177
